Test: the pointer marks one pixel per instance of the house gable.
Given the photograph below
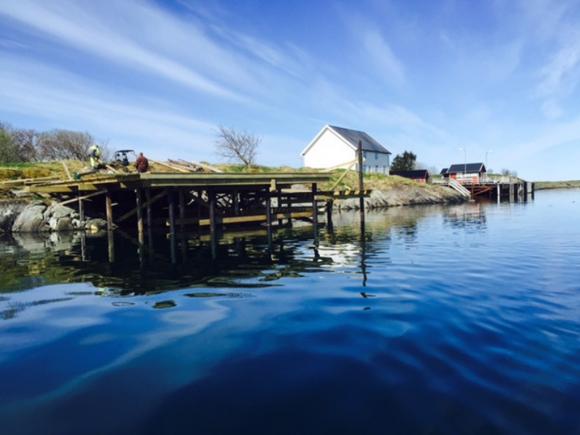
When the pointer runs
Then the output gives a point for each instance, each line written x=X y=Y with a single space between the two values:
x=328 y=150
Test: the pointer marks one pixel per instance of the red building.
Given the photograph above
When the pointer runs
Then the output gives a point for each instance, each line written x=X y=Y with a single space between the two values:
x=466 y=173
x=419 y=175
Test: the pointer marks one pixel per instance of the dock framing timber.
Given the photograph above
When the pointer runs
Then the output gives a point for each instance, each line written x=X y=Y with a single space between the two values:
x=197 y=199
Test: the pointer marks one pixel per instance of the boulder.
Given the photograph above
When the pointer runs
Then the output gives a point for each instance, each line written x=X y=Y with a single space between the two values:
x=95 y=225
x=58 y=211
x=30 y=219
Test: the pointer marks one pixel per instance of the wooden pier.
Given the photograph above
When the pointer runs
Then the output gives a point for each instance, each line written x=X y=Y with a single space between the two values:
x=512 y=191
x=180 y=200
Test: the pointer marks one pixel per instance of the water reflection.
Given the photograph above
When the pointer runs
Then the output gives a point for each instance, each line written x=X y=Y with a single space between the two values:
x=371 y=325
x=249 y=259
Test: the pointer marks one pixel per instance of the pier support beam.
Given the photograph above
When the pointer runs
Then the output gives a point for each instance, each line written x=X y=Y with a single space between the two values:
x=498 y=192
x=140 y=225
x=511 y=192
x=269 y=212
x=314 y=206
x=329 y=207
x=212 y=211
x=181 y=210
x=81 y=212
x=109 y=211
x=171 y=212
x=148 y=208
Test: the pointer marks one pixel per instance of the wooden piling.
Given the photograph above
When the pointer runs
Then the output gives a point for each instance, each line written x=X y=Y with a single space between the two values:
x=236 y=203
x=139 y=205
x=181 y=210
x=171 y=211
x=289 y=208
x=279 y=205
x=212 y=211
x=109 y=211
x=81 y=212
x=498 y=189
x=329 y=206
x=314 y=206
x=269 y=211
x=361 y=183
x=148 y=208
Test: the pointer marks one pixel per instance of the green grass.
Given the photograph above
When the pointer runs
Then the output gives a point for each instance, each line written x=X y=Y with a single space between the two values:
x=545 y=185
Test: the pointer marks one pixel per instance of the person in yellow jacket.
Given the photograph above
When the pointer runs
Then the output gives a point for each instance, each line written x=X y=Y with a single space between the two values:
x=95 y=156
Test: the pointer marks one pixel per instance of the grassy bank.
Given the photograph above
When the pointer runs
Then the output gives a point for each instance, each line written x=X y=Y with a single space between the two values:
x=547 y=185
x=339 y=180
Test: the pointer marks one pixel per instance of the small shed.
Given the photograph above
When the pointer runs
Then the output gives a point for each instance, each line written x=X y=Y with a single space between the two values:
x=420 y=175
x=467 y=173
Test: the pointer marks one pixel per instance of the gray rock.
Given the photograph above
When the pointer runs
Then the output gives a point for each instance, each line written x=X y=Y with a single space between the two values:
x=95 y=225
x=30 y=219
x=58 y=211
x=64 y=224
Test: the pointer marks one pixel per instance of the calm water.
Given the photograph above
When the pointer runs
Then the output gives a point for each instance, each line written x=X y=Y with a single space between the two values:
x=461 y=319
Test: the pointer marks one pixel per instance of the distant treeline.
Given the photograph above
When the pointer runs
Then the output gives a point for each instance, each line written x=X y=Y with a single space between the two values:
x=19 y=145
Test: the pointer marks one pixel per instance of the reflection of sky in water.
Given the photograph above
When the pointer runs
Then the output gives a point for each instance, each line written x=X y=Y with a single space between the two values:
x=470 y=310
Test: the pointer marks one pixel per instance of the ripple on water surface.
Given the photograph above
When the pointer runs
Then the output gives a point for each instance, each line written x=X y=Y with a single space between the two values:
x=461 y=319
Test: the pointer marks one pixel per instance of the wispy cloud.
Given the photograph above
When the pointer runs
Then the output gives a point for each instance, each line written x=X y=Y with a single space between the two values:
x=94 y=33
x=373 y=47
x=65 y=100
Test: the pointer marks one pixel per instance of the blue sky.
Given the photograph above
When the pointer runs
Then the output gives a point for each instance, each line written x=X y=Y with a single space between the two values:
x=429 y=76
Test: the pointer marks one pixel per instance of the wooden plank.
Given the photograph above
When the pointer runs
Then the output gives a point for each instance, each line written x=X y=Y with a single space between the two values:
x=68 y=175
x=82 y=198
x=170 y=166
x=256 y=218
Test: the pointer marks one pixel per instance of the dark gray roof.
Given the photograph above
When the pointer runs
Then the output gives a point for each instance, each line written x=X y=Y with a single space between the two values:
x=353 y=136
x=444 y=171
x=470 y=168
x=414 y=174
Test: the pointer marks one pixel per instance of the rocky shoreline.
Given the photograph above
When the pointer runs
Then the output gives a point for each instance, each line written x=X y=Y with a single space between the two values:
x=20 y=216
x=403 y=196
x=36 y=217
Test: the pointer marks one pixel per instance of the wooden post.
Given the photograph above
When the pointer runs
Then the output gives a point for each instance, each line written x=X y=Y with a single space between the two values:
x=139 y=205
x=181 y=210
x=329 y=205
x=498 y=188
x=171 y=212
x=511 y=192
x=314 y=207
x=212 y=214
x=111 y=246
x=361 y=183
x=279 y=205
x=269 y=219
x=81 y=213
x=289 y=205
x=148 y=198
x=236 y=201
x=109 y=211
x=269 y=211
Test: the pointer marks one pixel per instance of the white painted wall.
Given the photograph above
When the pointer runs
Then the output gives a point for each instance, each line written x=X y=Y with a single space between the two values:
x=328 y=151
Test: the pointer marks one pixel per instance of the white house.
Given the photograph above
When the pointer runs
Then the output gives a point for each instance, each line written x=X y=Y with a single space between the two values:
x=336 y=147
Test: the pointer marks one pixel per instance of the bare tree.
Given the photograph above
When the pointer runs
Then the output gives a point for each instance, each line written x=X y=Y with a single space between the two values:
x=64 y=144
x=237 y=146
